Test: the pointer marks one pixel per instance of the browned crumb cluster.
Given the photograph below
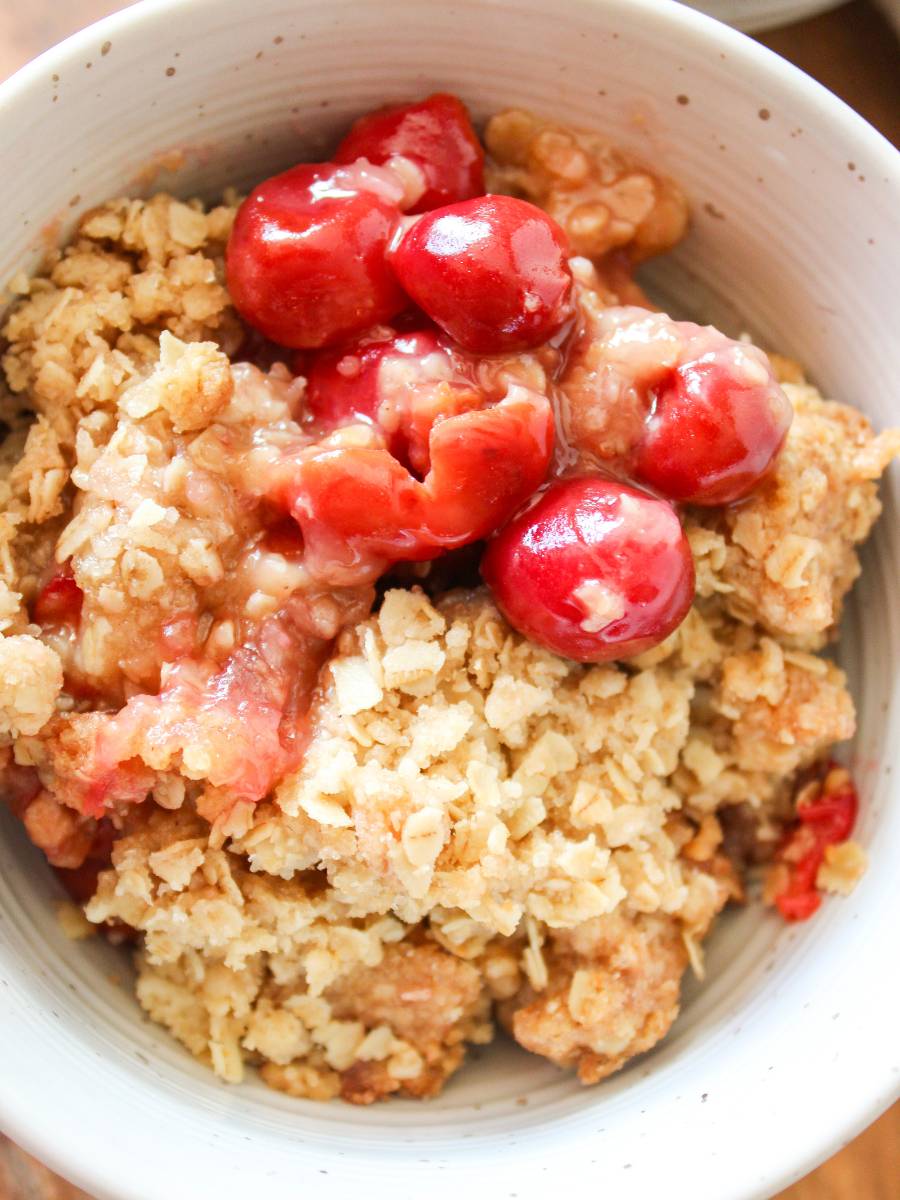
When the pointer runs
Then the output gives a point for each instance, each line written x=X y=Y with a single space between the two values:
x=477 y=828
x=602 y=196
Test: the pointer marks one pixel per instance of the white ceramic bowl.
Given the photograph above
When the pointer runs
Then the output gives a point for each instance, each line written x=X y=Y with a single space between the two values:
x=755 y=15
x=791 y=1046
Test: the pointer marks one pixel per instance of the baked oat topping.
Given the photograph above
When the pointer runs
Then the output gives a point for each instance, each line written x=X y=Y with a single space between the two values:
x=346 y=812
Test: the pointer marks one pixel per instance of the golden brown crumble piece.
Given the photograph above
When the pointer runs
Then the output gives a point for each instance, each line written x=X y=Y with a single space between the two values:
x=63 y=836
x=612 y=991
x=786 y=556
x=30 y=681
x=87 y=327
x=842 y=869
x=603 y=197
x=786 y=706
x=428 y=999
x=250 y=968
x=81 y=336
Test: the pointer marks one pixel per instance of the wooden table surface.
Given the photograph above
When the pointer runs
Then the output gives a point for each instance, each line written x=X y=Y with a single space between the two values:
x=855 y=53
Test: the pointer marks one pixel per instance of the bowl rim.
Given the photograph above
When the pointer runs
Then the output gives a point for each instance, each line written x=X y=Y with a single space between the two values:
x=27 y=1122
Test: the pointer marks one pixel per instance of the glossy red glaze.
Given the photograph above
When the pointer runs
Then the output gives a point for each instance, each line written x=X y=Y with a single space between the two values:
x=284 y=538
x=435 y=134
x=593 y=570
x=342 y=385
x=360 y=509
x=712 y=434
x=178 y=636
x=825 y=821
x=306 y=257
x=491 y=272
x=244 y=715
x=60 y=599
x=402 y=383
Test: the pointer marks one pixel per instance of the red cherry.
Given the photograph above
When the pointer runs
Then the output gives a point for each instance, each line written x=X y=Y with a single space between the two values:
x=435 y=135
x=593 y=570
x=400 y=382
x=306 y=257
x=715 y=427
x=491 y=272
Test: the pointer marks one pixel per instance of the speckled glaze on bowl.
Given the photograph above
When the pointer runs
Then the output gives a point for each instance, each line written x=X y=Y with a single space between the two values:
x=791 y=1046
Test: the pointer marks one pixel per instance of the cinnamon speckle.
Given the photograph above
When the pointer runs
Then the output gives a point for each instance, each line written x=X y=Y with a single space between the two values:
x=861 y=178
x=601 y=91
x=76 y=199
x=682 y=99
x=712 y=211
x=88 y=65
x=170 y=71
x=105 y=49
x=764 y=114
x=276 y=41
x=55 y=78
x=258 y=55
x=55 y=97
x=851 y=166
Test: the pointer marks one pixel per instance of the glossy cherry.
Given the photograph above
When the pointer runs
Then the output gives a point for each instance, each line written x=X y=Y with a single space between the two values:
x=491 y=272
x=306 y=257
x=435 y=135
x=593 y=570
x=400 y=382
x=715 y=427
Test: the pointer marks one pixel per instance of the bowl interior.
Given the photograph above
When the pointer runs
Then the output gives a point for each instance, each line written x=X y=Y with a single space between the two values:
x=235 y=91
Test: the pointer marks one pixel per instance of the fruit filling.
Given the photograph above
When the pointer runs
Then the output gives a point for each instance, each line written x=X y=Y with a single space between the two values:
x=406 y=629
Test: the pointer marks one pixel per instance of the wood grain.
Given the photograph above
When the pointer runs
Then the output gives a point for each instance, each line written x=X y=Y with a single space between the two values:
x=855 y=53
